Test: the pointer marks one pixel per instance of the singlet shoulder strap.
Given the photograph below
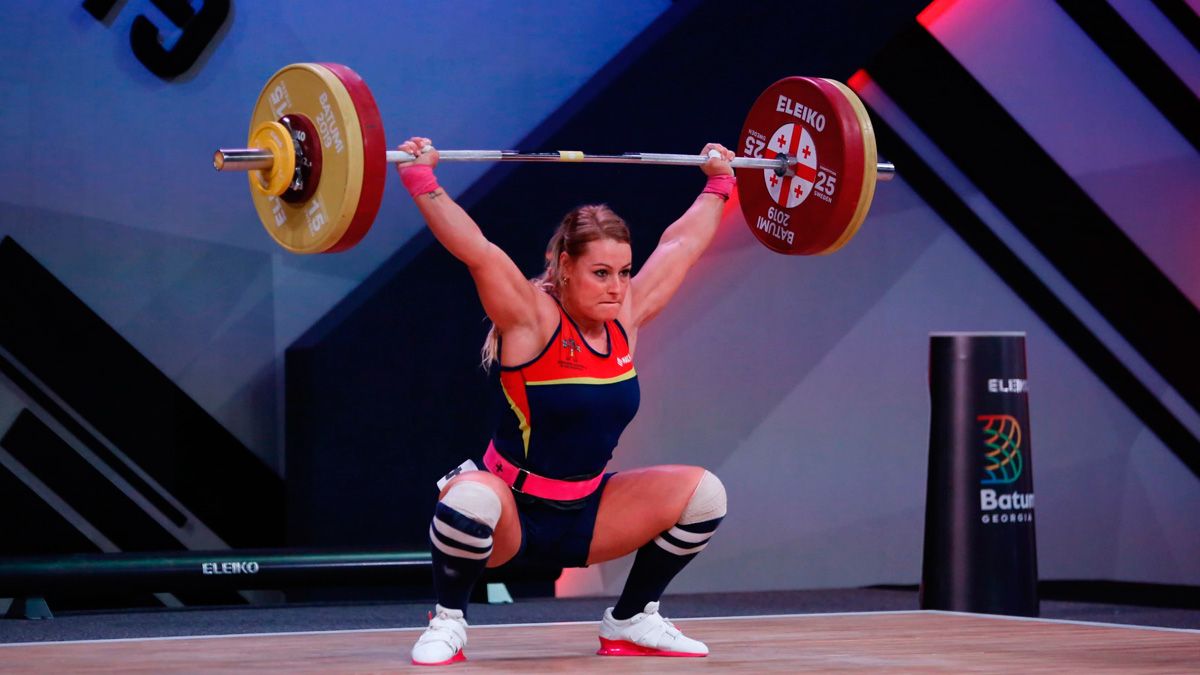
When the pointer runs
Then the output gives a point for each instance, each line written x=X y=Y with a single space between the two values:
x=624 y=334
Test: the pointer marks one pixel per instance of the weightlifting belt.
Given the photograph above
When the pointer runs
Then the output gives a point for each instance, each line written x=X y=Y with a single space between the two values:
x=534 y=485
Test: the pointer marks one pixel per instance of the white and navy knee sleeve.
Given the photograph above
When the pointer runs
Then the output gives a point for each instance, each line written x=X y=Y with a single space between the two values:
x=463 y=521
x=699 y=519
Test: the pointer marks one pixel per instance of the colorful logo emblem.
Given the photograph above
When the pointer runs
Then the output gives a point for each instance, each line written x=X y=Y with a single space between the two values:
x=792 y=139
x=572 y=349
x=1002 y=458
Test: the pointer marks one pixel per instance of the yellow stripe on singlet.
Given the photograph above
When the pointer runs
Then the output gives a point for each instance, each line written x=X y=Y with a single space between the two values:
x=587 y=380
x=520 y=418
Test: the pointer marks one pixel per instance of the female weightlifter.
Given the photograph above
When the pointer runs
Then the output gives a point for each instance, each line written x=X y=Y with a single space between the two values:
x=564 y=344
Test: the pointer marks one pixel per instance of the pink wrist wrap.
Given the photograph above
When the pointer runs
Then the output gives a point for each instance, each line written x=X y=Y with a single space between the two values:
x=722 y=186
x=418 y=179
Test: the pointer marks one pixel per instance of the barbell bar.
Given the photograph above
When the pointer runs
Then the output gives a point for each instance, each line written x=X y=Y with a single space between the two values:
x=252 y=159
x=317 y=159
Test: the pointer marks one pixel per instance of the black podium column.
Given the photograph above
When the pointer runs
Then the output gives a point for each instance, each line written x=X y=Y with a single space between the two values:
x=980 y=551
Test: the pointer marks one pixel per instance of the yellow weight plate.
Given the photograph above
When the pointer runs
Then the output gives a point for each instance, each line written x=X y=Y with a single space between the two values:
x=316 y=224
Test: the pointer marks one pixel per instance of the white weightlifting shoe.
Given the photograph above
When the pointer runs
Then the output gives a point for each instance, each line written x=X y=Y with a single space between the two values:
x=442 y=642
x=645 y=634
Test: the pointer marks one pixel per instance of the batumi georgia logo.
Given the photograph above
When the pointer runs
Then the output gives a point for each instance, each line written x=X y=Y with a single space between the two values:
x=1002 y=458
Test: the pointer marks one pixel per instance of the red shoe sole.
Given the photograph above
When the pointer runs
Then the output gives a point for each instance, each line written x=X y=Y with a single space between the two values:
x=626 y=648
x=458 y=656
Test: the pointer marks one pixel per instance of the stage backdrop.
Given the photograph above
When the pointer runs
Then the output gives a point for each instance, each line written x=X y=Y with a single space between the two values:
x=1047 y=175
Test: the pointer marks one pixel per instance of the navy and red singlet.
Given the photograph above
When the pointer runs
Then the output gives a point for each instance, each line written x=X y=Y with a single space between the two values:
x=564 y=411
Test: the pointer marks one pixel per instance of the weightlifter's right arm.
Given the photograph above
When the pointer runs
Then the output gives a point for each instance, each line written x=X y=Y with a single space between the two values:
x=508 y=298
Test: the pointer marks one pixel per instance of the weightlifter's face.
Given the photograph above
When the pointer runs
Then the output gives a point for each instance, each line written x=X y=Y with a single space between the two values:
x=598 y=279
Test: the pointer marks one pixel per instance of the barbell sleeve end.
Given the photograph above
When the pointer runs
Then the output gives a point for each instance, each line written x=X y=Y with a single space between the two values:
x=885 y=171
x=242 y=159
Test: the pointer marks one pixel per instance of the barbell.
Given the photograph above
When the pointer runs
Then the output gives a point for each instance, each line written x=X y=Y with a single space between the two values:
x=317 y=161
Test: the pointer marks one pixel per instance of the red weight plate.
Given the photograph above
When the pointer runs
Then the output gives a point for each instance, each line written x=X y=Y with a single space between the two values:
x=374 y=156
x=869 y=165
x=811 y=120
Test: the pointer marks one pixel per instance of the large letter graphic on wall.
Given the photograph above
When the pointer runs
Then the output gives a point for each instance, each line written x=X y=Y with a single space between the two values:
x=199 y=28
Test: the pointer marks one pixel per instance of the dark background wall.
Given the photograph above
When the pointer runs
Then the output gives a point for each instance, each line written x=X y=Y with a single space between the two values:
x=162 y=357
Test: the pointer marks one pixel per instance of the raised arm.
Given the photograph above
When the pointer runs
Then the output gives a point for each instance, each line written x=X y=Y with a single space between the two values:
x=510 y=301
x=683 y=242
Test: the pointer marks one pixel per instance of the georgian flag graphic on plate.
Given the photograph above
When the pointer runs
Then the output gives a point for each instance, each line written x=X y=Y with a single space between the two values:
x=790 y=191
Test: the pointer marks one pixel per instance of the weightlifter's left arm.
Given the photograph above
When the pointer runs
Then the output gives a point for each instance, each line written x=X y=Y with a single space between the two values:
x=510 y=301
x=682 y=244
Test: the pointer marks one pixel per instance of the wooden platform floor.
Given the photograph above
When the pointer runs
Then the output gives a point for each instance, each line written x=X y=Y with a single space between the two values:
x=923 y=641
